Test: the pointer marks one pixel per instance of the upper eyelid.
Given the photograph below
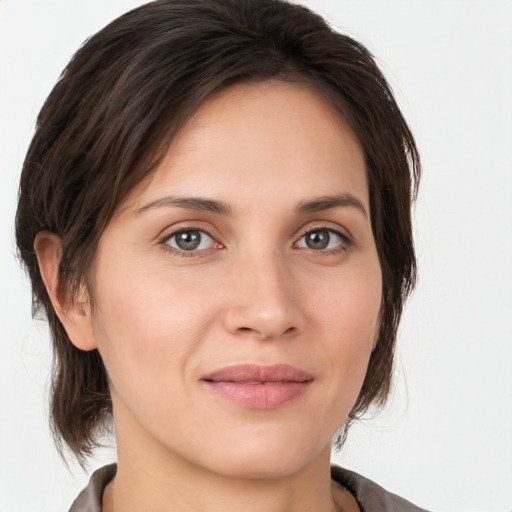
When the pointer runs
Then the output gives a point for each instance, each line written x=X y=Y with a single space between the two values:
x=167 y=236
x=338 y=229
x=345 y=239
x=187 y=230
x=169 y=232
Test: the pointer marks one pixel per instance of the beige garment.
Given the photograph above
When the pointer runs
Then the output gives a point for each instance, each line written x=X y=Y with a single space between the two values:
x=370 y=496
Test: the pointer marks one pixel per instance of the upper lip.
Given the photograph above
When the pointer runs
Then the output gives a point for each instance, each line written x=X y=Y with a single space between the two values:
x=252 y=373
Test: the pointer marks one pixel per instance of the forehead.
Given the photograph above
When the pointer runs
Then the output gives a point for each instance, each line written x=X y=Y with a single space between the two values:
x=282 y=136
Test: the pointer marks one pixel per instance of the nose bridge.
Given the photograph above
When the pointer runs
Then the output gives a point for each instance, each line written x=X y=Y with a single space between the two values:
x=263 y=297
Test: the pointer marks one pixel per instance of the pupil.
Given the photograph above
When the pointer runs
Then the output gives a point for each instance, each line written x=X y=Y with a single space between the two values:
x=317 y=239
x=188 y=240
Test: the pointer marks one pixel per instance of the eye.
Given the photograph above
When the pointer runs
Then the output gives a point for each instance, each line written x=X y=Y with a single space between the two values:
x=323 y=239
x=190 y=240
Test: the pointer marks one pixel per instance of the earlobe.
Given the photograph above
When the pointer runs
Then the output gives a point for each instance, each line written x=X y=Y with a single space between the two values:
x=377 y=330
x=75 y=315
x=375 y=340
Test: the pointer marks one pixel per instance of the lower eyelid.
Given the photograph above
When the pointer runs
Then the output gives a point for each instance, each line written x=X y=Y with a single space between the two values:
x=164 y=241
x=345 y=240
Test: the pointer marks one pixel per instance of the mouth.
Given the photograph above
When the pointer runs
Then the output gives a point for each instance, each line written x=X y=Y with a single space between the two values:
x=257 y=386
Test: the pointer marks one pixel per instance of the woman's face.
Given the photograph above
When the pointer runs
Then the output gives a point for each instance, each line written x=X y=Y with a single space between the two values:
x=237 y=291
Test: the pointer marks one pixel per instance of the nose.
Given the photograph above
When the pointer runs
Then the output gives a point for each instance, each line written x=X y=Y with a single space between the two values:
x=262 y=300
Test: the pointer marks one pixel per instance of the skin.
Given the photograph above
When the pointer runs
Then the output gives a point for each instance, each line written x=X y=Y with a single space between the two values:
x=253 y=292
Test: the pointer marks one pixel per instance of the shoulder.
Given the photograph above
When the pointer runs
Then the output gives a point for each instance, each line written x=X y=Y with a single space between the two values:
x=371 y=496
x=89 y=500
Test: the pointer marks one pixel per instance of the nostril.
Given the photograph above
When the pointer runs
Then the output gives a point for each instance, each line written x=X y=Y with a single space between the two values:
x=247 y=330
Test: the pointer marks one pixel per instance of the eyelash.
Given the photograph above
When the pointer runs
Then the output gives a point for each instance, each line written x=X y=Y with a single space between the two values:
x=164 y=241
x=345 y=243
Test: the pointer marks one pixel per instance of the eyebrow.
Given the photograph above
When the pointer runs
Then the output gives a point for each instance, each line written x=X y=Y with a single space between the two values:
x=318 y=204
x=189 y=203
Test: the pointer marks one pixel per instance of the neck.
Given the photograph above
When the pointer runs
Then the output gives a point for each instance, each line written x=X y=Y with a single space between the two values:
x=152 y=477
x=151 y=485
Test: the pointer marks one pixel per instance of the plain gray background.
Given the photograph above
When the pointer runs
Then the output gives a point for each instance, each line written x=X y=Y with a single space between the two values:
x=445 y=439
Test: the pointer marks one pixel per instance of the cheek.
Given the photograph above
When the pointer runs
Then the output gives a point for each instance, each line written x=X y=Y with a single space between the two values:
x=349 y=319
x=147 y=322
x=349 y=302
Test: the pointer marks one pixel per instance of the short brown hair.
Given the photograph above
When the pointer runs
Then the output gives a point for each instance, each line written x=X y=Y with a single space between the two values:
x=113 y=113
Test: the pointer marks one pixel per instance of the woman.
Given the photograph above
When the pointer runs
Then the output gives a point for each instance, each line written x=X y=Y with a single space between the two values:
x=215 y=216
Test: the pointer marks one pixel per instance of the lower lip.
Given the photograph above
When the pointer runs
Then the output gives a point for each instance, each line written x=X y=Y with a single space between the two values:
x=259 y=396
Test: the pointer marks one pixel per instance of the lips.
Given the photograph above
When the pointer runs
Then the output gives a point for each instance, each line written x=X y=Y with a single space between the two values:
x=257 y=386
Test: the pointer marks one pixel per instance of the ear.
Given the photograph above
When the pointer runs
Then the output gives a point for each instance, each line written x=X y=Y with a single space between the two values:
x=375 y=340
x=377 y=329
x=74 y=315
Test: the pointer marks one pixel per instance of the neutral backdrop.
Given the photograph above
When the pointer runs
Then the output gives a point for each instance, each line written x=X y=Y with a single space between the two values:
x=445 y=439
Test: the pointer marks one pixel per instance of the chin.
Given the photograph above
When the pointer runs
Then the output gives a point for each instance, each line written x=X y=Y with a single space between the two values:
x=266 y=456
